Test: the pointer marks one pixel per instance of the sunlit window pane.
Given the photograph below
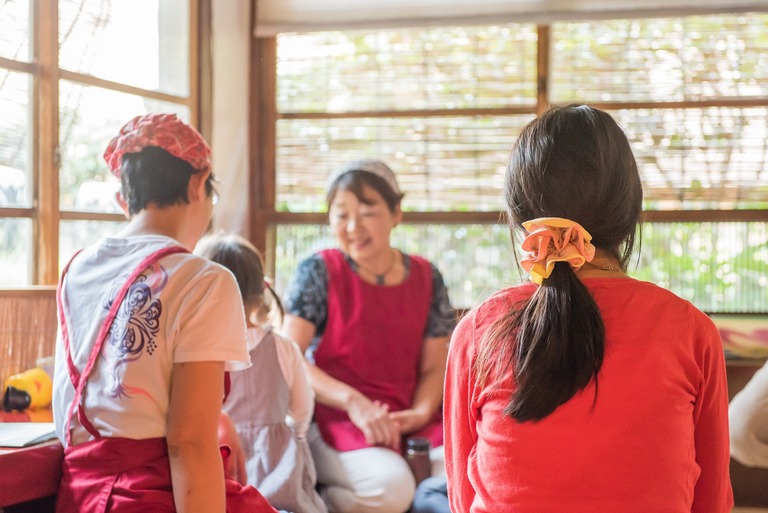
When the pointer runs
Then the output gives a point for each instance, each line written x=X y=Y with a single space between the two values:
x=15 y=150
x=75 y=235
x=15 y=252
x=720 y=267
x=144 y=43
x=700 y=158
x=420 y=68
x=670 y=59
x=16 y=29
x=452 y=163
x=89 y=118
x=475 y=260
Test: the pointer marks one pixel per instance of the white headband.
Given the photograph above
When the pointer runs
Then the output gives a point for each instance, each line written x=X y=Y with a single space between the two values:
x=373 y=166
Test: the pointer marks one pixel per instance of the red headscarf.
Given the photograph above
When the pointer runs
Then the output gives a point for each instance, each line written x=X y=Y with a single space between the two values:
x=165 y=131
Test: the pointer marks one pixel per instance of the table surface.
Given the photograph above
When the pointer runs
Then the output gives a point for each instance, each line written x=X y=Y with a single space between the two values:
x=30 y=472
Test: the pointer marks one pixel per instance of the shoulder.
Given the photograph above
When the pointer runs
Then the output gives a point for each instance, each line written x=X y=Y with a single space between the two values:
x=312 y=266
x=416 y=260
x=311 y=276
x=502 y=301
x=198 y=284
x=200 y=271
x=286 y=345
x=479 y=318
x=657 y=302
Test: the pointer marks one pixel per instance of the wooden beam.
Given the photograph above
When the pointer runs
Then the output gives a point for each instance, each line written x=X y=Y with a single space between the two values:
x=263 y=137
x=649 y=216
x=704 y=216
x=71 y=215
x=542 y=69
x=541 y=106
x=204 y=70
x=46 y=145
x=194 y=63
x=413 y=113
x=25 y=213
x=23 y=67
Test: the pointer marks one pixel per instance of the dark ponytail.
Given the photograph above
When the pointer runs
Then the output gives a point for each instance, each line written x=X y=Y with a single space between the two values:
x=559 y=345
x=573 y=162
x=274 y=300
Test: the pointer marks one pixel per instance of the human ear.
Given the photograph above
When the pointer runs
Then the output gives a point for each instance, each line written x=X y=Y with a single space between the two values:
x=397 y=215
x=120 y=200
x=196 y=189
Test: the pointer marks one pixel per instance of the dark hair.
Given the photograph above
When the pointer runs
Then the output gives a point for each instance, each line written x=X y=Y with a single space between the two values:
x=241 y=257
x=153 y=175
x=573 y=162
x=354 y=181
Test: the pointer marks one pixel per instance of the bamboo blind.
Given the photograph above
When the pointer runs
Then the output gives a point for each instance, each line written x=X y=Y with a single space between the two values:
x=27 y=328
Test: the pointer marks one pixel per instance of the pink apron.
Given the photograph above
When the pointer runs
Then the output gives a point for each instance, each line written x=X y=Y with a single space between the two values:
x=372 y=341
x=121 y=475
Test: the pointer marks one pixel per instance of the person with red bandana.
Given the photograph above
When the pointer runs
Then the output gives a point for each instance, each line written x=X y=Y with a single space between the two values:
x=146 y=332
x=375 y=324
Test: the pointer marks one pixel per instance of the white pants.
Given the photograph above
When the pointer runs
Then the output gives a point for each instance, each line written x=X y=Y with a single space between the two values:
x=370 y=480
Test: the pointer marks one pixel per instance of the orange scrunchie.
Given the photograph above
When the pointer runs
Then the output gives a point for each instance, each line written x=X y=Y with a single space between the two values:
x=551 y=240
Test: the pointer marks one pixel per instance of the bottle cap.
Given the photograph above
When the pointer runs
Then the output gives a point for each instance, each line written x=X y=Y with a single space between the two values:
x=15 y=399
x=418 y=444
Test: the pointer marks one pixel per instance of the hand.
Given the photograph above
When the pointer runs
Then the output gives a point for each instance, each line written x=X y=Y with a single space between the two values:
x=372 y=418
x=409 y=421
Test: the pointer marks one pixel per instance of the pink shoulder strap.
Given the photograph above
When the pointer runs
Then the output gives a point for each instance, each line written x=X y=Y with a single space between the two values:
x=79 y=379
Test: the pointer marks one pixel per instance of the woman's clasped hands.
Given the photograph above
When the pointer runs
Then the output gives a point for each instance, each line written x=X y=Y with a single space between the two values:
x=380 y=425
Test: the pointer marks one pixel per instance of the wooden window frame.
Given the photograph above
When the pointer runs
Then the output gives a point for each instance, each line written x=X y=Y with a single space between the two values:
x=264 y=117
x=45 y=212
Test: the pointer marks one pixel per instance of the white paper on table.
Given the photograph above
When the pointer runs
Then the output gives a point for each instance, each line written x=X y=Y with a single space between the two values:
x=24 y=434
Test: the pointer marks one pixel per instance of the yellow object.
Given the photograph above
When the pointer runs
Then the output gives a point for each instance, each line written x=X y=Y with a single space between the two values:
x=551 y=240
x=32 y=389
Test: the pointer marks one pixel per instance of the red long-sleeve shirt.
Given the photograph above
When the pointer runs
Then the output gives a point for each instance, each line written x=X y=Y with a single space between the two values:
x=654 y=441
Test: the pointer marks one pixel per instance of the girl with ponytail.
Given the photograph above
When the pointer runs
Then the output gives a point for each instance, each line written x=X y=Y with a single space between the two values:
x=584 y=390
x=261 y=398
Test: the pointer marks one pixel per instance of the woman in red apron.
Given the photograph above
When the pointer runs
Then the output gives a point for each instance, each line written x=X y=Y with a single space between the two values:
x=146 y=332
x=380 y=321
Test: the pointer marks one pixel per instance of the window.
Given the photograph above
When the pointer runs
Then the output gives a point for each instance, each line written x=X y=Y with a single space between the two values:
x=71 y=73
x=443 y=105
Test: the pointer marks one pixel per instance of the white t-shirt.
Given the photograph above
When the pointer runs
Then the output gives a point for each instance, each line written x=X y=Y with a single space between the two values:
x=182 y=309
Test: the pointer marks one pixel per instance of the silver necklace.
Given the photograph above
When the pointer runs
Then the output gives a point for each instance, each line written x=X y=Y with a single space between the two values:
x=379 y=277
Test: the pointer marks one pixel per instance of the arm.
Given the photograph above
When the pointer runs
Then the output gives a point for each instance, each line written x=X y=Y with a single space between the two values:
x=712 y=492
x=197 y=472
x=429 y=391
x=370 y=417
x=234 y=465
x=302 y=398
x=748 y=415
x=459 y=416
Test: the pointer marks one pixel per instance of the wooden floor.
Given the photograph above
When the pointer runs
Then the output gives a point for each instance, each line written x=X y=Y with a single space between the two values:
x=749 y=510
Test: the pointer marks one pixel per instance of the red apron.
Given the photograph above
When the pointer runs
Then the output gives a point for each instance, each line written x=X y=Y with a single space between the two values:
x=121 y=475
x=372 y=341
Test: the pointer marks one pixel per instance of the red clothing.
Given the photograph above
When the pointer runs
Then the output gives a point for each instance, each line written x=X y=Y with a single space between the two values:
x=132 y=476
x=122 y=475
x=655 y=440
x=373 y=341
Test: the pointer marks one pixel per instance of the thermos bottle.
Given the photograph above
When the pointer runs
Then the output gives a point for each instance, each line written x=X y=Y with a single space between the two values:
x=417 y=456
